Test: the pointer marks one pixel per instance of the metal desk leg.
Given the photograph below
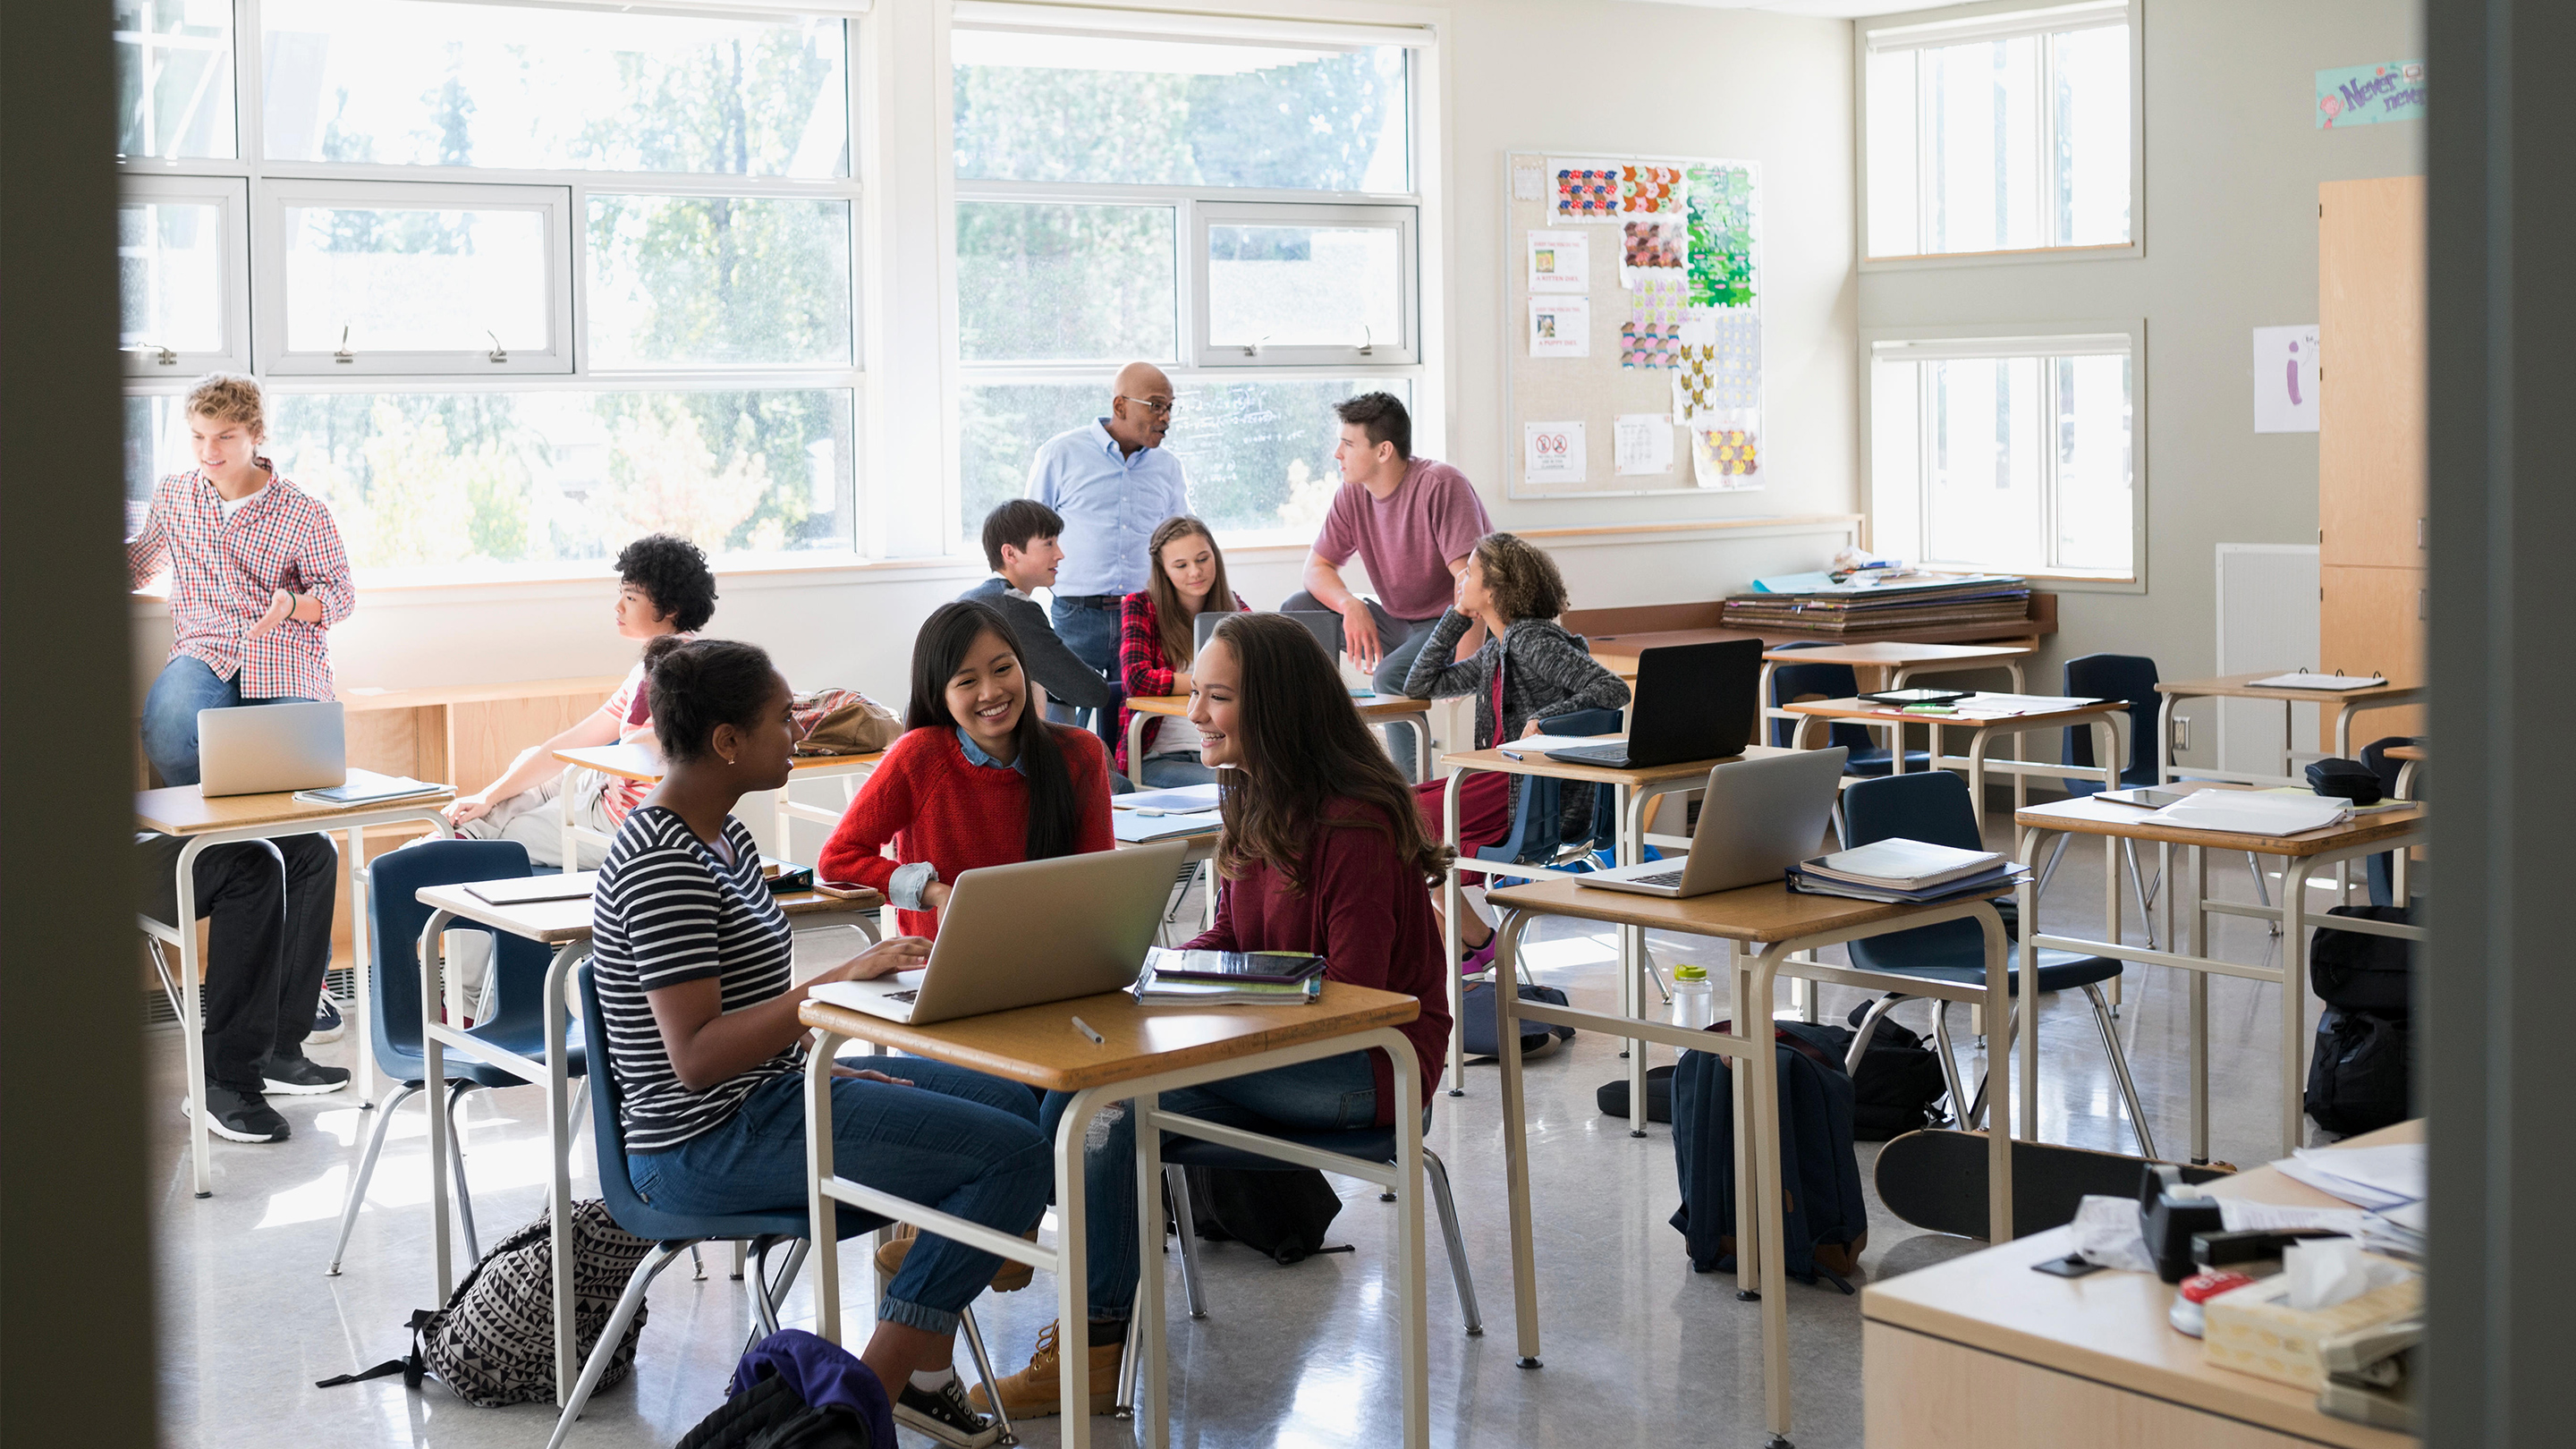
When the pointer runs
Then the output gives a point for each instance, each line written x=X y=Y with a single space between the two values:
x=1452 y=900
x=1153 y=1389
x=1760 y=1084
x=1633 y=804
x=2198 y=925
x=558 y=1018
x=1073 y=1263
x=433 y=998
x=821 y=1219
x=571 y=841
x=1422 y=745
x=1999 y=1133
x=362 y=995
x=2294 y=999
x=1135 y=776
x=2164 y=741
x=1748 y=1269
x=1516 y=1189
x=2026 y=895
x=192 y=1019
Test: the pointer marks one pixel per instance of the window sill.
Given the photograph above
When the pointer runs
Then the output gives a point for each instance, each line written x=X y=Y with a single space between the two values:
x=2109 y=251
x=2108 y=581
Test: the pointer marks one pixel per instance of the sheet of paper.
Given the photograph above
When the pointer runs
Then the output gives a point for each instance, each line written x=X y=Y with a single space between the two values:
x=1560 y=326
x=1643 y=444
x=1560 y=261
x=1655 y=297
x=1541 y=744
x=1650 y=189
x=1722 y=207
x=1529 y=181
x=1725 y=450
x=1652 y=244
x=1644 y=345
x=1552 y=452
x=2396 y=1169
x=2285 y=379
x=1586 y=191
x=1718 y=364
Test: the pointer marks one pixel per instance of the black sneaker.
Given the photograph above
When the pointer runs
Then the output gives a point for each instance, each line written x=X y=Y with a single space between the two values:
x=327 y=1026
x=240 y=1116
x=944 y=1415
x=301 y=1076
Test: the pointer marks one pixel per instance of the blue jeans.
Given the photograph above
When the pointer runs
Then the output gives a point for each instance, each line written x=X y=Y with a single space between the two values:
x=1336 y=1094
x=1090 y=629
x=959 y=1141
x=1171 y=772
x=186 y=686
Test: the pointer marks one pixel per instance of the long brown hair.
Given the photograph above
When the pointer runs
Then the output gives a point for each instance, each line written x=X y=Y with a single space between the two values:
x=1176 y=625
x=1304 y=745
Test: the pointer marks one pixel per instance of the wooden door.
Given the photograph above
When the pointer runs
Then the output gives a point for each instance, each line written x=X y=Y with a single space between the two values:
x=2370 y=314
x=2371 y=620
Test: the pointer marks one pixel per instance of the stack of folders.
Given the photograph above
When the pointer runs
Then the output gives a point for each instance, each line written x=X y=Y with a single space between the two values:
x=1905 y=872
x=1221 y=978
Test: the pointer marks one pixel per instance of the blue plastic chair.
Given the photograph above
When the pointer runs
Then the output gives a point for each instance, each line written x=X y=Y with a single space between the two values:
x=675 y=1233
x=1933 y=807
x=1537 y=835
x=518 y=1023
x=2379 y=872
x=1833 y=681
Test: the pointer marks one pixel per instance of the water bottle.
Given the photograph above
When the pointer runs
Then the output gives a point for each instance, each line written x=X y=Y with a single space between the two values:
x=1694 y=998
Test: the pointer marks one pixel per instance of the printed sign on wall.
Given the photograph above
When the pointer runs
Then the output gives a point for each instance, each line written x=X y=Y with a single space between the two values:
x=2365 y=95
x=2285 y=379
x=1552 y=452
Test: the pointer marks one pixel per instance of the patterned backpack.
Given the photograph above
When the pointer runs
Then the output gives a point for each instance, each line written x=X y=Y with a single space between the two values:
x=841 y=722
x=494 y=1342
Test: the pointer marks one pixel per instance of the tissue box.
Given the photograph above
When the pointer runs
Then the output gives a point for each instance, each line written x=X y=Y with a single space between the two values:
x=2254 y=1330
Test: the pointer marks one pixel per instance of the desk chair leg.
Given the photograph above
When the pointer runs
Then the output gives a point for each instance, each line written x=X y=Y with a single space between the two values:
x=2120 y=1069
x=2137 y=879
x=974 y=1336
x=1176 y=1186
x=628 y=1303
x=367 y=1169
x=1131 y=1359
x=2262 y=890
x=2050 y=869
x=697 y=1265
x=1868 y=1028
x=767 y=1292
x=1949 y=1064
x=1459 y=1275
x=456 y=1168
x=2000 y=1053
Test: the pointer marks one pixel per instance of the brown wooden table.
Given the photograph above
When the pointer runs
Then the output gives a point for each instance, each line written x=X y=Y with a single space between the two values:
x=2346 y=704
x=1143 y=1051
x=185 y=811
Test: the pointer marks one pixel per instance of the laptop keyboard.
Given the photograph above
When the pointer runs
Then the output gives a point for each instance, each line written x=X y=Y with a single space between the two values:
x=1615 y=756
x=1671 y=878
x=914 y=995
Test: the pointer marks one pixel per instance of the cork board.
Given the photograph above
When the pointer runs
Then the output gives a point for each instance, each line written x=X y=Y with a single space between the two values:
x=1632 y=314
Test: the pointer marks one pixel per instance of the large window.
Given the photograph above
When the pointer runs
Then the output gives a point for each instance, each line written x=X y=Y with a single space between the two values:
x=1239 y=209
x=521 y=281
x=2010 y=453
x=2000 y=132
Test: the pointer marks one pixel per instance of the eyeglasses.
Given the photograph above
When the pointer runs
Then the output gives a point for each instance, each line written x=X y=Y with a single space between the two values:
x=1160 y=409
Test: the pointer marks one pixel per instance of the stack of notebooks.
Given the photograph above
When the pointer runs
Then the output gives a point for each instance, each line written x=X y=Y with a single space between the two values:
x=1222 y=978
x=366 y=787
x=1905 y=872
x=2256 y=812
x=1878 y=605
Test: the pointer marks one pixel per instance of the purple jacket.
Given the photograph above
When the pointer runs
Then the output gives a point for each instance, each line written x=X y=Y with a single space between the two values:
x=822 y=1373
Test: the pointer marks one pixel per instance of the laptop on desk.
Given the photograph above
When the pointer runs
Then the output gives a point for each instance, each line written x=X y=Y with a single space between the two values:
x=1694 y=702
x=1324 y=624
x=267 y=749
x=1027 y=934
x=1759 y=818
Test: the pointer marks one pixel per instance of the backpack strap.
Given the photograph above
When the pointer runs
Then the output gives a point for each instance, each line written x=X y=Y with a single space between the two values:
x=411 y=1367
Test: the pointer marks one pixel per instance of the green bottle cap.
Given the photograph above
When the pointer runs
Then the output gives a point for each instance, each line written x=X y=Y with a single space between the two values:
x=1688 y=972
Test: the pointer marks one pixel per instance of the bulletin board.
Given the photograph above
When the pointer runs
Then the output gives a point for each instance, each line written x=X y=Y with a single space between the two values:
x=1632 y=307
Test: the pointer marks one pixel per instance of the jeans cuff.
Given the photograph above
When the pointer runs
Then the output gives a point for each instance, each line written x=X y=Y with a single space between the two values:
x=916 y=1315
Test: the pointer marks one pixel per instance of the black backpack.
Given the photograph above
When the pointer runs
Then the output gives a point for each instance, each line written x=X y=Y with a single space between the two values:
x=1824 y=1218
x=1282 y=1214
x=2353 y=971
x=2361 y=1070
x=794 y=1390
x=1476 y=1018
x=1898 y=1086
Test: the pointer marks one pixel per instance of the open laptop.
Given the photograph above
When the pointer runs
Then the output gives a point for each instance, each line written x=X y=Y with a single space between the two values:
x=1030 y=933
x=268 y=748
x=1324 y=624
x=1759 y=818
x=1694 y=702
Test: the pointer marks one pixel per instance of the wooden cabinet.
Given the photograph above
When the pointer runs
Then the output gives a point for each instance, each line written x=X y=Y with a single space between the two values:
x=2371 y=621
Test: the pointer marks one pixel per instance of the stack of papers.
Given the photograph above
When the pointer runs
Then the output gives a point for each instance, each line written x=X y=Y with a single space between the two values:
x=2253 y=812
x=2303 y=679
x=1982 y=705
x=366 y=787
x=1905 y=872
x=1541 y=744
x=2384 y=1184
x=1186 y=800
x=1152 y=988
x=1136 y=827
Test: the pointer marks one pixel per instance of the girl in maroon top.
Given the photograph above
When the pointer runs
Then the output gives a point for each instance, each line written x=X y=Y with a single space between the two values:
x=1157 y=634
x=1322 y=852
x=977 y=779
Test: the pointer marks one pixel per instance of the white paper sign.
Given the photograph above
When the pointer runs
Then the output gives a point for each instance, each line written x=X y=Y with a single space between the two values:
x=1560 y=261
x=1529 y=181
x=1643 y=444
x=2285 y=379
x=1552 y=452
x=1560 y=326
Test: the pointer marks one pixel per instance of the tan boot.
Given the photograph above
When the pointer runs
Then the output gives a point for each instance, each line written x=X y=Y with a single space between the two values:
x=1011 y=1277
x=1034 y=1392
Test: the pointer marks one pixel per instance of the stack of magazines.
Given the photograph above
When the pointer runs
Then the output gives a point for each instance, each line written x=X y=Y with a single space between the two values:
x=1219 y=978
x=1882 y=604
x=1905 y=872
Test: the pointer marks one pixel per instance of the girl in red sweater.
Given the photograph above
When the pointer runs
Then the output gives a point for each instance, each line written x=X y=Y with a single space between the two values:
x=1322 y=851
x=1157 y=634
x=977 y=779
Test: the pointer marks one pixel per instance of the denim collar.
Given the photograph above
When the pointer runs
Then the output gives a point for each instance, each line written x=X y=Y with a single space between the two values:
x=975 y=755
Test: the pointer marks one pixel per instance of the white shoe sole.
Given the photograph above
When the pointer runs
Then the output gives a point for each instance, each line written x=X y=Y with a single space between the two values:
x=188 y=1113
x=292 y=1089
x=944 y=1434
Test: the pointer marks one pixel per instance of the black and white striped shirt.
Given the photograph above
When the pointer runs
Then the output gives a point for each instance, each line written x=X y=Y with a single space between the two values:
x=669 y=910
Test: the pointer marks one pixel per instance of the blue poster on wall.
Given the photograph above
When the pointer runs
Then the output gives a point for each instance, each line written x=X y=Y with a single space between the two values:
x=2364 y=95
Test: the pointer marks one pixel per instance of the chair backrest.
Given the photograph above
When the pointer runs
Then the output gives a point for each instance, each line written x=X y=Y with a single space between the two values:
x=396 y=917
x=2114 y=676
x=1927 y=805
x=1536 y=833
x=608 y=1120
x=1815 y=681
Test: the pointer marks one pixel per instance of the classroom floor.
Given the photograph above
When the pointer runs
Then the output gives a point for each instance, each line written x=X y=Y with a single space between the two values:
x=1638 y=1349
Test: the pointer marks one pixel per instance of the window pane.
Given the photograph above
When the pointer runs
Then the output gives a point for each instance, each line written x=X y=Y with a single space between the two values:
x=1980 y=103
x=1982 y=500
x=170 y=266
x=416 y=83
x=1895 y=167
x=1179 y=112
x=1065 y=283
x=1304 y=286
x=715 y=280
x=1259 y=454
x=406 y=280
x=2093 y=468
x=2093 y=136
x=174 y=78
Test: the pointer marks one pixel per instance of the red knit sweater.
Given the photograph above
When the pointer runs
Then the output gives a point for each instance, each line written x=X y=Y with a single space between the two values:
x=1369 y=915
x=935 y=806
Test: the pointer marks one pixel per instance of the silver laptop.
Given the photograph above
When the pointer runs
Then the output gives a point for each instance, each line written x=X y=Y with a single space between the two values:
x=1324 y=624
x=267 y=748
x=1759 y=818
x=1030 y=933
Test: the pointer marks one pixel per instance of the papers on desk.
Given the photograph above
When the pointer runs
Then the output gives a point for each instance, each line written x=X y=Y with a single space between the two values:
x=2253 y=812
x=1136 y=827
x=1152 y=988
x=1541 y=744
x=1983 y=705
x=1184 y=800
x=2378 y=1178
x=2303 y=679
x=366 y=787
x=1993 y=880
x=552 y=885
x=1900 y=864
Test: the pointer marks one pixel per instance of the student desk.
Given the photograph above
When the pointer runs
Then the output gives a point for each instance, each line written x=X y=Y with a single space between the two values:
x=2108 y=718
x=1635 y=791
x=1899 y=662
x=2346 y=704
x=1983 y=1351
x=565 y=926
x=186 y=812
x=1144 y=1051
x=2302 y=856
x=1376 y=709
x=1780 y=923
x=633 y=761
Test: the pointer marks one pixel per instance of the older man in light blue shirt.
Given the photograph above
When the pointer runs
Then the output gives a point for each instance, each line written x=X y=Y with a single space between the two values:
x=1112 y=484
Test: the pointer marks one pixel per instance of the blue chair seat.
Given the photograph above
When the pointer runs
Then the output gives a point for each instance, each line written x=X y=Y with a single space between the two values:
x=1963 y=963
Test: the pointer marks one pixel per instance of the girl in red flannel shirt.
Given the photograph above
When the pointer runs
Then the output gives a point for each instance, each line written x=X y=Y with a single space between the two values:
x=1157 y=635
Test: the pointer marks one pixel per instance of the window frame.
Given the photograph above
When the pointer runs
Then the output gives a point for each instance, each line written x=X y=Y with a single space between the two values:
x=1404 y=349
x=2000 y=20
x=232 y=196
x=1898 y=497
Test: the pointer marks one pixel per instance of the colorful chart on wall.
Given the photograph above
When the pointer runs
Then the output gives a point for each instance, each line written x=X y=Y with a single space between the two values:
x=1633 y=285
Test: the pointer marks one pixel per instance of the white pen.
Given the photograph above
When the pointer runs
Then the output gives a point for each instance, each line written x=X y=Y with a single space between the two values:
x=1084 y=1027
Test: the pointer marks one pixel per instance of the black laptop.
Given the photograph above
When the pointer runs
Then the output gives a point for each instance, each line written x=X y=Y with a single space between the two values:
x=1694 y=702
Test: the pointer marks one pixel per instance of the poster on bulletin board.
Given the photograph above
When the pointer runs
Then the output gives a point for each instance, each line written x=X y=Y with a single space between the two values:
x=1635 y=286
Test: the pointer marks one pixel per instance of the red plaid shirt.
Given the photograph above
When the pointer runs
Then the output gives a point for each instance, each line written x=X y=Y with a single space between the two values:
x=1141 y=665
x=224 y=572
